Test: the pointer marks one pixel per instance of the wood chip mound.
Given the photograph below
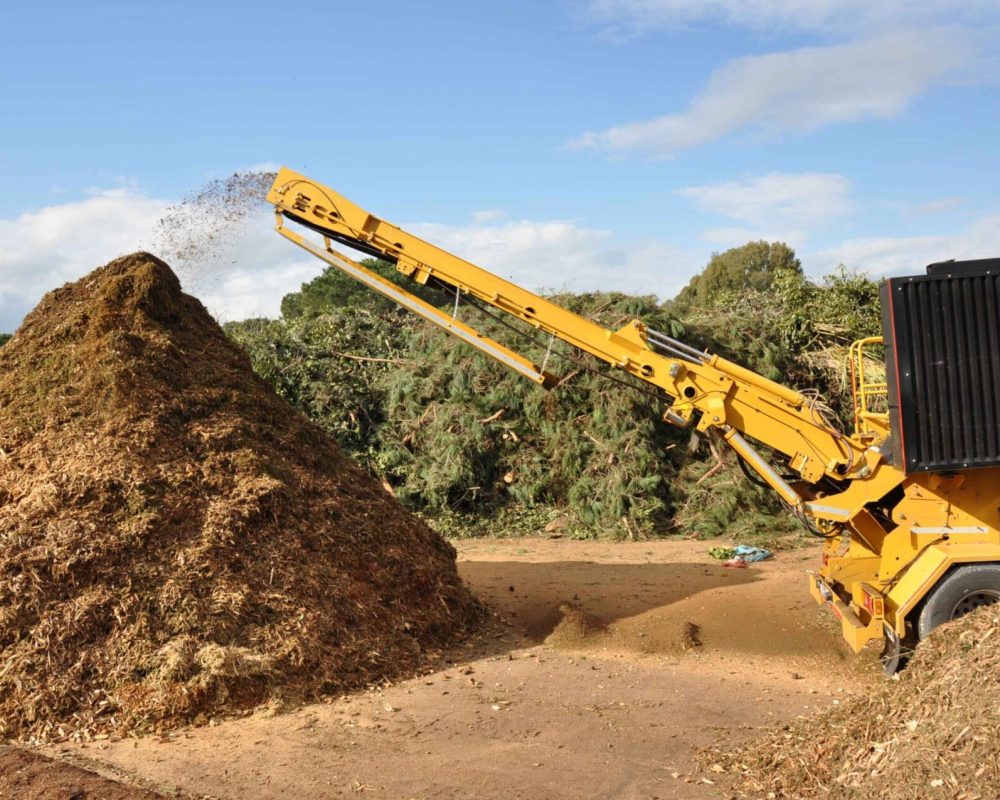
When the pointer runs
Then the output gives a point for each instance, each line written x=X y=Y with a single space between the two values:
x=30 y=776
x=932 y=732
x=576 y=628
x=176 y=541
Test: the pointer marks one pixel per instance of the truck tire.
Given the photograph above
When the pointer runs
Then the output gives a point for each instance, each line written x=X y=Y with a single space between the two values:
x=962 y=590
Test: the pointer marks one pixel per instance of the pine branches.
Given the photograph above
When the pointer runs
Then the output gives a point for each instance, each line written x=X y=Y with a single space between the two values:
x=461 y=439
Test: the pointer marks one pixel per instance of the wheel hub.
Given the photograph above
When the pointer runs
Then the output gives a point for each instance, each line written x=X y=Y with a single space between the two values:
x=974 y=600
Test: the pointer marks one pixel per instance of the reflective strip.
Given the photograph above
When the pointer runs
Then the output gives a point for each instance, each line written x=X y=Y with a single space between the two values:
x=945 y=529
x=765 y=470
x=828 y=512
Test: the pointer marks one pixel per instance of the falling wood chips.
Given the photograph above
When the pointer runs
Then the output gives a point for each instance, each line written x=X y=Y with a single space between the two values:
x=177 y=542
x=932 y=732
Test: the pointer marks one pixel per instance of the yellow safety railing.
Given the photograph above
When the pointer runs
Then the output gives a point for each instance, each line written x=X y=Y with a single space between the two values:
x=869 y=393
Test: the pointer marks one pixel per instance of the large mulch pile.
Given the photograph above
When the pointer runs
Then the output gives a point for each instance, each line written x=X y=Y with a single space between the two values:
x=176 y=542
x=933 y=732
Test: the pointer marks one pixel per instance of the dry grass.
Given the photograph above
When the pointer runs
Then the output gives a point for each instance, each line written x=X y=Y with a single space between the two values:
x=933 y=732
x=176 y=542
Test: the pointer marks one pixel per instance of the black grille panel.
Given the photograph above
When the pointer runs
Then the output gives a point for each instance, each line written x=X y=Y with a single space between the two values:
x=942 y=334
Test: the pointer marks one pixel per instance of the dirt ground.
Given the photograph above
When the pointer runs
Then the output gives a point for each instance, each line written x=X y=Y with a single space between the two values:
x=662 y=651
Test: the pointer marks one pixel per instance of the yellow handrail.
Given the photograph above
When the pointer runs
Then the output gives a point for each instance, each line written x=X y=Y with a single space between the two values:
x=863 y=391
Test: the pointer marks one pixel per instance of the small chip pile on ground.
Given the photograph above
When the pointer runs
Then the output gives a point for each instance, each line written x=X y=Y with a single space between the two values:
x=932 y=733
x=176 y=542
x=26 y=775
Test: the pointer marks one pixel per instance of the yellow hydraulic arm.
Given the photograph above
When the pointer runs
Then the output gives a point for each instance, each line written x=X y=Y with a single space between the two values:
x=728 y=397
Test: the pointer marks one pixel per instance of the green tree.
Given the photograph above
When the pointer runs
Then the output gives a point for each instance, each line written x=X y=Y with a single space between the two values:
x=333 y=289
x=750 y=267
x=4 y=338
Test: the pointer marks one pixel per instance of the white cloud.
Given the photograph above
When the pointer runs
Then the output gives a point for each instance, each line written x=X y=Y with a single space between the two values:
x=938 y=206
x=559 y=254
x=793 y=203
x=40 y=250
x=248 y=268
x=800 y=90
x=636 y=16
x=900 y=255
x=489 y=215
x=246 y=275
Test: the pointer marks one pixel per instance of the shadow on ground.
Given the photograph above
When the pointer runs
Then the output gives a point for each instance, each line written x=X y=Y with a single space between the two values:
x=656 y=608
x=533 y=592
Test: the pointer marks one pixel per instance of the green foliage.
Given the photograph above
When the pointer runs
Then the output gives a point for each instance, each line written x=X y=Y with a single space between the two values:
x=320 y=364
x=333 y=289
x=714 y=498
x=752 y=267
x=477 y=449
x=4 y=338
x=796 y=332
x=507 y=521
x=467 y=436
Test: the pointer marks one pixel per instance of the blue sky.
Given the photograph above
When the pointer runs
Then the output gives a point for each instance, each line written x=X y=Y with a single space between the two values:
x=580 y=143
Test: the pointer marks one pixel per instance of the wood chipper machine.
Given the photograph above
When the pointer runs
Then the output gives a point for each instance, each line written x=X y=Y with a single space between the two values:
x=908 y=504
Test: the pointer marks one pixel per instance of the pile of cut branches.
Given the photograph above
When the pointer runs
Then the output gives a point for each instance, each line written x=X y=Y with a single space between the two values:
x=477 y=448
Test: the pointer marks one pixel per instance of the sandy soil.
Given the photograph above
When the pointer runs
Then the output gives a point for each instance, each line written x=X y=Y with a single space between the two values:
x=664 y=651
